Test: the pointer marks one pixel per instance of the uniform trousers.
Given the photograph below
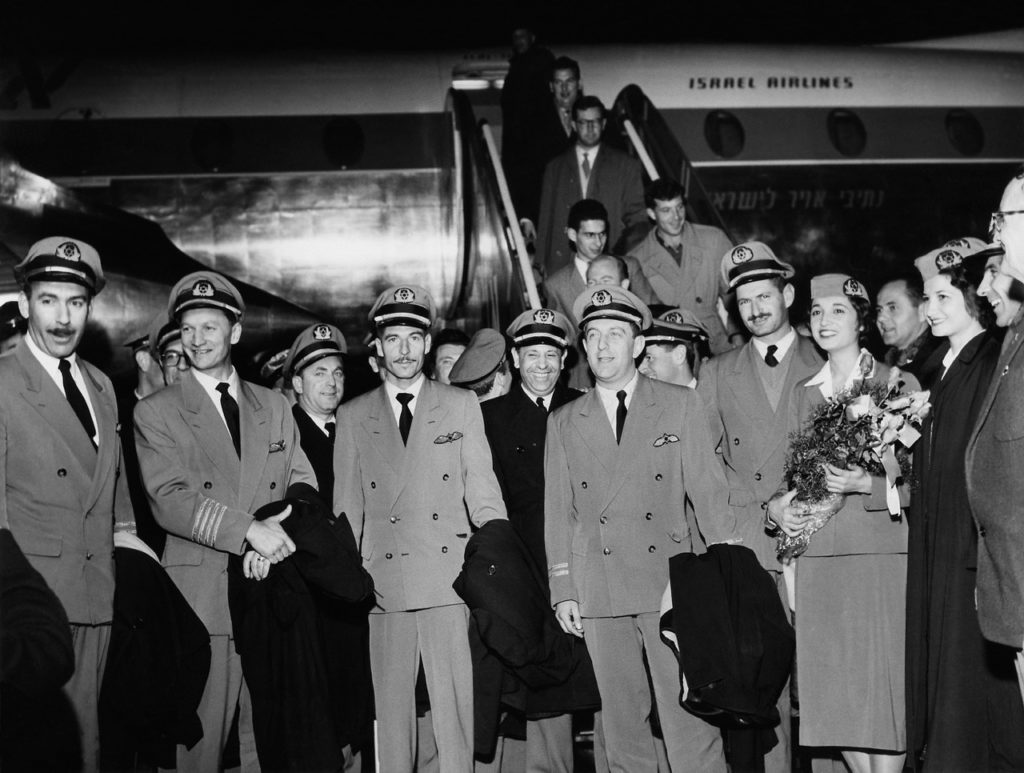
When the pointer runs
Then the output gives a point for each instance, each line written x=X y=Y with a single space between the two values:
x=547 y=749
x=83 y=689
x=398 y=640
x=225 y=692
x=617 y=646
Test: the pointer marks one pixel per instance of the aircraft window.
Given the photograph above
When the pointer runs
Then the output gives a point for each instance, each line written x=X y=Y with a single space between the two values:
x=964 y=132
x=847 y=132
x=724 y=133
x=343 y=142
x=212 y=145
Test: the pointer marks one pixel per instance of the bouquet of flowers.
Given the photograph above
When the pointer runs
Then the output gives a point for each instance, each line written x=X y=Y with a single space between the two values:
x=873 y=425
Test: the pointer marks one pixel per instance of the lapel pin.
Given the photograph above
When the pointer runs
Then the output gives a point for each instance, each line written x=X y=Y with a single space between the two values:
x=666 y=438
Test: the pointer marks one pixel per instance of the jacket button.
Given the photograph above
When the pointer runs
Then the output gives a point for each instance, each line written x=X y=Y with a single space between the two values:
x=981 y=531
x=491 y=569
x=434 y=516
x=61 y=473
x=207 y=485
x=604 y=519
x=651 y=549
x=88 y=556
x=444 y=477
x=735 y=441
x=699 y=299
x=387 y=556
x=444 y=548
x=648 y=516
x=607 y=551
x=583 y=484
x=273 y=485
x=520 y=450
x=393 y=519
x=658 y=476
x=373 y=484
x=757 y=476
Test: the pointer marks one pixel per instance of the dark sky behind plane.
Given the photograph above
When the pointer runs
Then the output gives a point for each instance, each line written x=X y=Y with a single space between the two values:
x=67 y=29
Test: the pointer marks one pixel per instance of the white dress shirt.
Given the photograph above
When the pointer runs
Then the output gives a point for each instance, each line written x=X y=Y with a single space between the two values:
x=209 y=385
x=392 y=392
x=610 y=398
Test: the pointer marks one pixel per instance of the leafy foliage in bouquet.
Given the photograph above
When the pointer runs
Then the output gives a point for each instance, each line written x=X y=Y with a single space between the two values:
x=839 y=435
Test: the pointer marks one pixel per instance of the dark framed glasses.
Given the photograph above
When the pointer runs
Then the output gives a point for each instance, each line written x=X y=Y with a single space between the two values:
x=175 y=360
x=995 y=225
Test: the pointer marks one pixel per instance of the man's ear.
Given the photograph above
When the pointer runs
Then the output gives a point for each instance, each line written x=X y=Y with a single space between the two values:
x=571 y=233
x=143 y=359
x=297 y=384
x=377 y=347
x=236 y=332
x=788 y=295
x=515 y=359
x=427 y=342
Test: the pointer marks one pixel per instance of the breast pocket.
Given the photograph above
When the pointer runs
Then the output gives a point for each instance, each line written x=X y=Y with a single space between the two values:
x=40 y=544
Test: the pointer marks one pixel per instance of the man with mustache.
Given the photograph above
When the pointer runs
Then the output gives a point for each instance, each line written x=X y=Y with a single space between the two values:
x=413 y=475
x=746 y=393
x=60 y=465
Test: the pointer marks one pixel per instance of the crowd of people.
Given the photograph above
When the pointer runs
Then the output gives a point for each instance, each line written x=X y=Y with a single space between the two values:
x=447 y=571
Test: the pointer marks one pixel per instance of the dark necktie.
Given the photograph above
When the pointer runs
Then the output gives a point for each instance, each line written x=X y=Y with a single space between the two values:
x=620 y=415
x=405 y=418
x=331 y=427
x=77 y=400
x=540 y=404
x=230 y=408
x=586 y=169
x=769 y=356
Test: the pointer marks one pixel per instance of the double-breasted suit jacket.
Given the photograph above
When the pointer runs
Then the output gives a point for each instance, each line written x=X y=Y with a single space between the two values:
x=752 y=438
x=614 y=514
x=515 y=427
x=62 y=499
x=995 y=488
x=615 y=181
x=412 y=507
x=696 y=283
x=202 y=493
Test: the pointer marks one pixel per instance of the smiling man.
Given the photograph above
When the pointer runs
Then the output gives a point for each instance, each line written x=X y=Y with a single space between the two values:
x=899 y=310
x=619 y=463
x=213 y=449
x=413 y=475
x=62 y=492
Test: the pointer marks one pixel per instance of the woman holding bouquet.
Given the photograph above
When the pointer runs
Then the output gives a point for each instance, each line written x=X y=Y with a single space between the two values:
x=851 y=581
x=962 y=714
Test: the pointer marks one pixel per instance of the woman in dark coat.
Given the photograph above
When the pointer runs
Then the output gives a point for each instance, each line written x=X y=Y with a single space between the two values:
x=955 y=700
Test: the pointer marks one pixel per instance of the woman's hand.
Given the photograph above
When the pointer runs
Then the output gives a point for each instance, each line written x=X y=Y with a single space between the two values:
x=787 y=516
x=854 y=480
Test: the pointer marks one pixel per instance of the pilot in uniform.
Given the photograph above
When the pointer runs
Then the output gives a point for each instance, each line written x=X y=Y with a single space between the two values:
x=213 y=449
x=746 y=392
x=619 y=464
x=64 y=493
x=413 y=475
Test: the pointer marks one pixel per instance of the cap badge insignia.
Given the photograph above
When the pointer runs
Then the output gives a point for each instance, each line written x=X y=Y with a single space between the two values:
x=742 y=254
x=544 y=317
x=948 y=259
x=321 y=333
x=674 y=317
x=852 y=287
x=404 y=295
x=202 y=289
x=953 y=243
x=601 y=298
x=68 y=251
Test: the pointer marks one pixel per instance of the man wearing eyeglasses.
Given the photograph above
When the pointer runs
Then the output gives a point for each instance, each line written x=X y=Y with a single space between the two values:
x=995 y=456
x=589 y=170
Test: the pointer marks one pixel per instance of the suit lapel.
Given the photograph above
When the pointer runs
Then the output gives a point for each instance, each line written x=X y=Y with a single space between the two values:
x=426 y=426
x=641 y=421
x=802 y=364
x=256 y=440
x=53 y=407
x=209 y=428
x=1005 y=358
x=106 y=454
x=592 y=424
x=382 y=429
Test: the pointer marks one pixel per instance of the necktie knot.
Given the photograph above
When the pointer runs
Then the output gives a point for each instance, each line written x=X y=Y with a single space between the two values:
x=223 y=387
x=540 y=403
x=65 y=365
x=331 y=428
x=404 y=398
x=769 y=356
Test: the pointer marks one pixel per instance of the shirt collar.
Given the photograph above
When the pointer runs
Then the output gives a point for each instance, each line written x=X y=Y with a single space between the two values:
x=209 y=383
x=591 y=155
x=533 y=396
x=393 y=391
x=321 y=423
x=612 y=394
x=581 y=266
x=823 y=378
x=782 y=345
x=50 y=363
